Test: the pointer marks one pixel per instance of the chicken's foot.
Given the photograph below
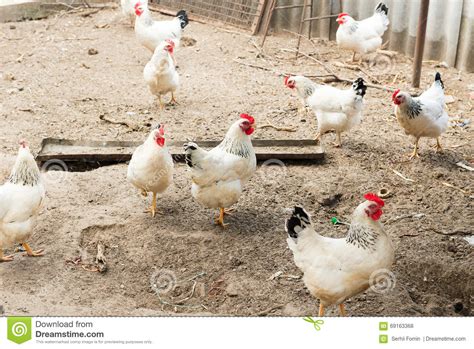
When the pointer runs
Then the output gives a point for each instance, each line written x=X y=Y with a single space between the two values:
x=30 y=252
x=162 y=105
x=338 y=142
x=5 y=258
x=321 y=309
x=437 y=146
x=173 y=99
x=342 y=309
x=415 y=150
x=220 y=220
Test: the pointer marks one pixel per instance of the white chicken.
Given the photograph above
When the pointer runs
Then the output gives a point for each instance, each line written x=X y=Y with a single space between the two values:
x=304 y=88
x=151 y=33
x=338 y=269
x=151 y=167
x=160 y=72
x=128 y=9
x=219 y=175
x=363 y=36
x=20 y=201
x=422 y=116
x=335 y=109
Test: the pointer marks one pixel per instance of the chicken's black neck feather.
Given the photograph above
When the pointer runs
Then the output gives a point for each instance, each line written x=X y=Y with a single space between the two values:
x=363 y=236
x=236 y=147
x=24 y=174
x=413 y=108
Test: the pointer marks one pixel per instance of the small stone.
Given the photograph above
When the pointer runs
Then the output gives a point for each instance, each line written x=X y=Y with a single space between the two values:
x=231 y=290
x=92 y=51
x=12 y=26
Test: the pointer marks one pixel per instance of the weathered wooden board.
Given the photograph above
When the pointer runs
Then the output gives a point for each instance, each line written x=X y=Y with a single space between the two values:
x=121 y=151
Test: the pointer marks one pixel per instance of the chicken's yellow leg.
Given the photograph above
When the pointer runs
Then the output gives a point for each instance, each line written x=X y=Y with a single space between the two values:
x=220 y=219
x=173 y=99
x=438 y=146
x=342 y=309
x=162 y=106
x=152 y=208
x=5 y=258
x=415 y=150
x=321 y=309
x=30 y=252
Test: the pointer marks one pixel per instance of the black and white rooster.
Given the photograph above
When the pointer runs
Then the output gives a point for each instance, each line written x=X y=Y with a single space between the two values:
x=219 y=174
x=338 y=269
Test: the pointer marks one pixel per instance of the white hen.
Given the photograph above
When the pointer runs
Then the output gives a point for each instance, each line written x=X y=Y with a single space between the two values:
x=338 y=110
x=151 y=167
x=128 y=9
x=422 y=116
x=160 y=72
x=304 y=88
x=363 y=36
x=338 y=269
x=218 y=175
x=151 y=33
x=20 y=201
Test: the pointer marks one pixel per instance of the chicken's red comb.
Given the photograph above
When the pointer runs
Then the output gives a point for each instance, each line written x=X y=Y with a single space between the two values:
x=395 y=94
x=286 y=79
x=373 y=197
x=137 y=4
x=342 y=15
x=248 y=117
x=171 y=42
x=23 y=143
x=162 y=130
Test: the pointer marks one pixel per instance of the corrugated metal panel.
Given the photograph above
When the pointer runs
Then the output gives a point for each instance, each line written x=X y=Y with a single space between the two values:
x=450 y=28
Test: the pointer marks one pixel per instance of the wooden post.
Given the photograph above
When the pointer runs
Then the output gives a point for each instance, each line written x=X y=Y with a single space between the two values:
x=303 y=17
x=420 y=43
x=268 y=18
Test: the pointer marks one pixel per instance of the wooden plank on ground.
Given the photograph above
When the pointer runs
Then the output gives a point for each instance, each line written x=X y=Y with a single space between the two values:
x=121 y=151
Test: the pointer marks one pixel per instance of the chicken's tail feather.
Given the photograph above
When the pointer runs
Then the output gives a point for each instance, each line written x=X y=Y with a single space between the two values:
x=299 y=220
x=438 y=79
x=359 y=87
x=183 y=18
x=381 y=8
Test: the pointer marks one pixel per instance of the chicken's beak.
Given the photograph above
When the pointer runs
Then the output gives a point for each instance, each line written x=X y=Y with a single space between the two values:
x=254 y=126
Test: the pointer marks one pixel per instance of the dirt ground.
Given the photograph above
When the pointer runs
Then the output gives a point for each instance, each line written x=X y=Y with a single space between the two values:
x=52 y=87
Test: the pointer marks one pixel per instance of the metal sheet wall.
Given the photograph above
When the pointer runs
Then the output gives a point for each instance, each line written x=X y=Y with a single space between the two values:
x=450 y=28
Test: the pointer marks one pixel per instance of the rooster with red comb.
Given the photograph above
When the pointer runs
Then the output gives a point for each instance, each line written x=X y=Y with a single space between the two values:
x=363 y=36
x=338 y=269
x=218 y=175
